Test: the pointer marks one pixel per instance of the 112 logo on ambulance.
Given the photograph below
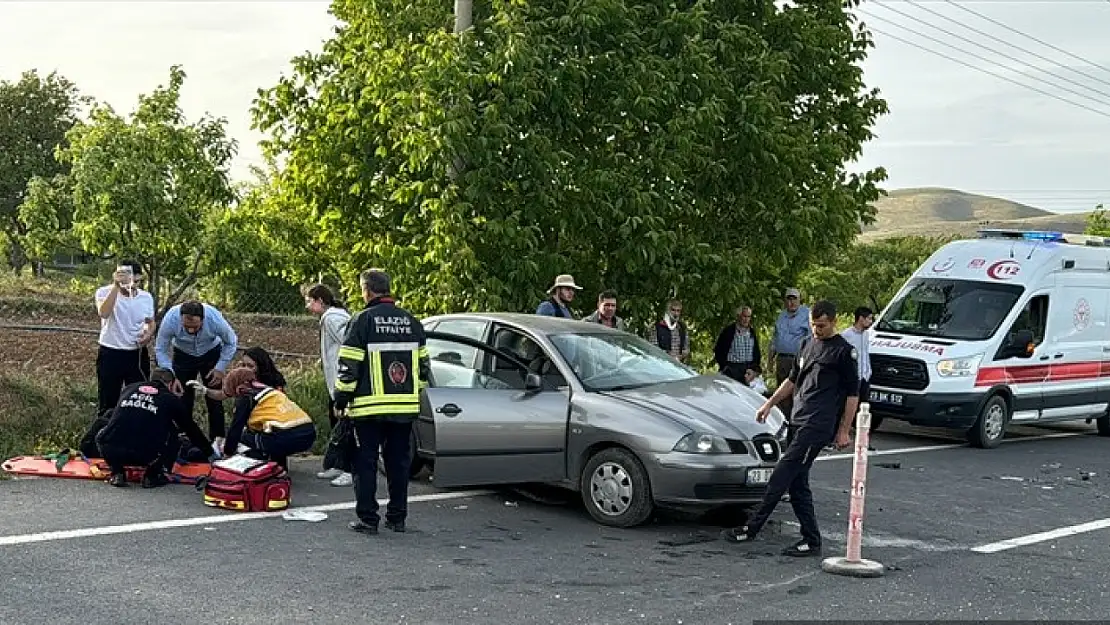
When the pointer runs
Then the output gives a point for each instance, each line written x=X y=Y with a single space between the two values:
x=1004 y=269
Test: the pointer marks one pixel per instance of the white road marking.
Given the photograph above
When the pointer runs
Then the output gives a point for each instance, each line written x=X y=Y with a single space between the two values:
x=914 y=450
x=208 y=520
x=1032 y=539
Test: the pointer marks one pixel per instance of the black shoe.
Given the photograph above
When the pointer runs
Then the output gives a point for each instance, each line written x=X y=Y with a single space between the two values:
x=119 y=480
x=802 y=549
x=738 y=535
x=363 y=528
x=155 y=480
x=395 y=526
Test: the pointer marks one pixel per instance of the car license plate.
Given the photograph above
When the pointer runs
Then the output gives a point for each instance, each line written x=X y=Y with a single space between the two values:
x=882 y=397
x=759 y=476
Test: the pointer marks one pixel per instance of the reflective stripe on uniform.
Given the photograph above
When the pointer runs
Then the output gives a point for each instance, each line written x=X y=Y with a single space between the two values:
x=345 y=387
x=392 y=347
x=352 y=353
x=383 y=410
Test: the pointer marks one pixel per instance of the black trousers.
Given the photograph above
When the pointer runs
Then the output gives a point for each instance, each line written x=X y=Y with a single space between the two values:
x=393 y=438
x=160 y=458
x=187 y=367
x=115 y=369
x=277 y=445
x=791 y=475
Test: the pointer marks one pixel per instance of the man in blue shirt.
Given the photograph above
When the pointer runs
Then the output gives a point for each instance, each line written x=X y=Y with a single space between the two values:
x=195 y=340
x=791 y=327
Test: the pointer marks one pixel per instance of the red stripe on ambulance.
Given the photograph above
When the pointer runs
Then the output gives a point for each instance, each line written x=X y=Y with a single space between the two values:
x=1046 y=373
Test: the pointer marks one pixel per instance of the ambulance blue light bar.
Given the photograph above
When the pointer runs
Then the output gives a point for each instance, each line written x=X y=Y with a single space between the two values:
x=1043 y=236
x=1028 y=235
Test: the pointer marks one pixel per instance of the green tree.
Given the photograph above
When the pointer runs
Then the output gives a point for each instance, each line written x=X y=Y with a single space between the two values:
x=147 y=187
x=1098 y=224
x=868 y=274
x=695 y=149
x=36 y=112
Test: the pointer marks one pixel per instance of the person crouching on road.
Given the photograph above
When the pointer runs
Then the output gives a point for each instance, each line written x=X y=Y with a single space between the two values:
x=824 y=380
x=141 y=431
x=265 y=420
x=383 y=364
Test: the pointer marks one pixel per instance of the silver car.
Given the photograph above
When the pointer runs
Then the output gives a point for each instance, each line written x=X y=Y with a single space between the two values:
x=517 y=398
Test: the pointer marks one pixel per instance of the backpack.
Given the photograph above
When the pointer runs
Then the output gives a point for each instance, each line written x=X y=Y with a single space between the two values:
x=245 y=484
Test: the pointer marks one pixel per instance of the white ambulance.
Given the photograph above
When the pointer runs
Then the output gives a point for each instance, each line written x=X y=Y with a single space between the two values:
x=1012 y=327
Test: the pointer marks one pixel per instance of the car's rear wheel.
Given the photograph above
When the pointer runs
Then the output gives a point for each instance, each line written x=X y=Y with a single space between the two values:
x=616 y=489
x=990 y=428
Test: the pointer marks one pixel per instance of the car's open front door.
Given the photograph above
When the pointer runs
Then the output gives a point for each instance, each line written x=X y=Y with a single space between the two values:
x=490 y=427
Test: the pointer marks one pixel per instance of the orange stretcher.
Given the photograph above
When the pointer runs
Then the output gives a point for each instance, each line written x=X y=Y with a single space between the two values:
x=96 y=469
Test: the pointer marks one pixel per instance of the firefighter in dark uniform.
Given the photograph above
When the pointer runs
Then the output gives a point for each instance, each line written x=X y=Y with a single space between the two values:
x=824 y=381
x=382 y=364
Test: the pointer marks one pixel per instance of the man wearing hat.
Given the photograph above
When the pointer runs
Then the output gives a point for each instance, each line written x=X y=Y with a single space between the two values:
x=560 y=295
x=126 y=326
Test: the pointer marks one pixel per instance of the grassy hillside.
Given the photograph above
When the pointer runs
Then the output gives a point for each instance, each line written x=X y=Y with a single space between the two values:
x=938 y=212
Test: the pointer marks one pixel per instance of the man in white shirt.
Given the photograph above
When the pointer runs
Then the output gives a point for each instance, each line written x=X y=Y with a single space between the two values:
x=126 y=326
x=859 y=337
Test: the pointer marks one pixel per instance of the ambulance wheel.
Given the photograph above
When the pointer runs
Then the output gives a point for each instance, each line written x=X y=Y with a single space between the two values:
x=1103 y=424
x=990 y=428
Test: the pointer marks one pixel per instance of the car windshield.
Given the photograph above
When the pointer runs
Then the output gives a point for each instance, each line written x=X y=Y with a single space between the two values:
x=618 y=361
x=951 y=309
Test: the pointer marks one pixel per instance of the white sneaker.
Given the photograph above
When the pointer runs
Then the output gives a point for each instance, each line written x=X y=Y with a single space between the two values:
x=345 y=479
x=330 y=474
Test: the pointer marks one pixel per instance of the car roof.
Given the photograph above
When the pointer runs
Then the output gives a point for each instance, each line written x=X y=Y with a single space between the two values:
x=537 y=323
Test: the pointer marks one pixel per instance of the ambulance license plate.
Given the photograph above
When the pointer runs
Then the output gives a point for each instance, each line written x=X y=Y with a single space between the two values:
x=759 y=476
x=882 y=397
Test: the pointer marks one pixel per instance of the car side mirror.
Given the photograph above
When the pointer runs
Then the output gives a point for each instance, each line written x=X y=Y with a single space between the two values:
x=1020 y=345
x=533 y=382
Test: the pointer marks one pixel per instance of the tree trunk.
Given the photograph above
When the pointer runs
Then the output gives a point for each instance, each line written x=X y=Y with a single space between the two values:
x=17 y=257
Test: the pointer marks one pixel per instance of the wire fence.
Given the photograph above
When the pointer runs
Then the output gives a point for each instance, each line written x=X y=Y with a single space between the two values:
x=52 y=332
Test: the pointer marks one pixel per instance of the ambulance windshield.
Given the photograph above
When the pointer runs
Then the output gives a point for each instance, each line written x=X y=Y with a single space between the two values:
x=963 y=310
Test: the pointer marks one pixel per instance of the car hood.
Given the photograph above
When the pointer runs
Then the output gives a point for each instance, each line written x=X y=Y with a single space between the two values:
x=712 y=404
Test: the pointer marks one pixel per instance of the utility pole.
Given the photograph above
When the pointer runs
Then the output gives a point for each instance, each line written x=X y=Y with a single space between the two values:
x=464 y=17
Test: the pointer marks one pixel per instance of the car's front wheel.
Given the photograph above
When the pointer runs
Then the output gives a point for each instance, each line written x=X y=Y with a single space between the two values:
x=616 y=489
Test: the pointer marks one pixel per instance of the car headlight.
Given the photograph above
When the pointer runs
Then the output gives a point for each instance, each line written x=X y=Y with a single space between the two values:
x=959 y=367
x=700 y=443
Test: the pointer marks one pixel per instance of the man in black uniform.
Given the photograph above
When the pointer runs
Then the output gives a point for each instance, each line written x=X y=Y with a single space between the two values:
x=142 y=431
x=382 y=364
x=825 y=383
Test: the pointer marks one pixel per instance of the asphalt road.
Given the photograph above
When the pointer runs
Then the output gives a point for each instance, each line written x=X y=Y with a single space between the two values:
x=141 y=557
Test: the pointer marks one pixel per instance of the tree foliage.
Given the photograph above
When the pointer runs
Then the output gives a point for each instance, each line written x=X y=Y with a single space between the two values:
x=1098 y=224
x=657 y=148
x=36 y=112
x=868 y=274
x=147 y=187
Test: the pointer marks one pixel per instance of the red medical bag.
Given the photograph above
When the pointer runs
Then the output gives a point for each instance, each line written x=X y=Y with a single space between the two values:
x=247 y=485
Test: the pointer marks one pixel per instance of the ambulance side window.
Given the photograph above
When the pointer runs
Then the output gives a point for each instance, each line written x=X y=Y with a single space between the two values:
x=1034 y=317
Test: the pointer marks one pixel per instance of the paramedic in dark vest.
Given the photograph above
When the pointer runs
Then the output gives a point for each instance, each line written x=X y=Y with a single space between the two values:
x=825 y=383
x=142 y=431
x=383 y=364
x=560 y=295
x=265 y=420
x=195 y=340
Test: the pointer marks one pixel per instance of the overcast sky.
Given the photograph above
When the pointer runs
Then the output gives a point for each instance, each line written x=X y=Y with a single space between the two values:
x=949 y=126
